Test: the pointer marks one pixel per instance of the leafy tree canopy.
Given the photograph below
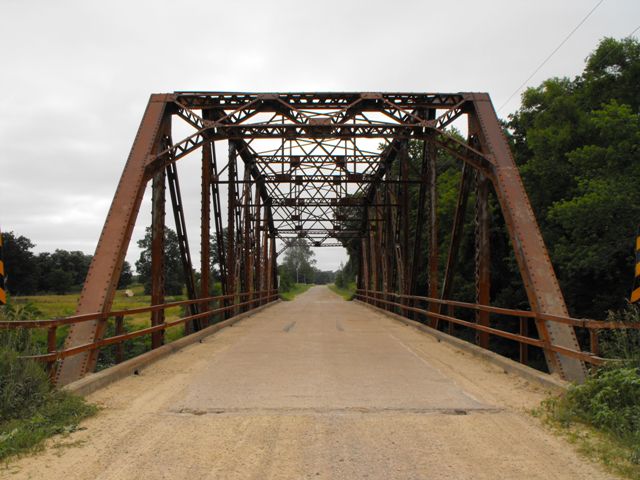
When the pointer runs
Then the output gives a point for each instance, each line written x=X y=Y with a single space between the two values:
x=577 y=144
x=173 y=271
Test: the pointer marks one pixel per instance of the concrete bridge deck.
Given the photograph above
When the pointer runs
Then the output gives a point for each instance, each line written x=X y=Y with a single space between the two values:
x=317 y=388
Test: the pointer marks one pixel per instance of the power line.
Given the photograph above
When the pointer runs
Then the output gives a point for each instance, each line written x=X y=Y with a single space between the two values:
x=552 y=54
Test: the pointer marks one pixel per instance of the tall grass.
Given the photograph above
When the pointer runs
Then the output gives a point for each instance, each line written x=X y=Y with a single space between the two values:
x=602 y=415
x=347 y=292
x=295 y=290
x=30 y=409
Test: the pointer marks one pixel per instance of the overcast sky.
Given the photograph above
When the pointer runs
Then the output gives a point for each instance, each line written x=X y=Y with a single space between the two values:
x=75 y=77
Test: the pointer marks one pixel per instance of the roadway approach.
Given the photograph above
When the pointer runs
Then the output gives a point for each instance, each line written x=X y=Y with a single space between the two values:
x=315 y=388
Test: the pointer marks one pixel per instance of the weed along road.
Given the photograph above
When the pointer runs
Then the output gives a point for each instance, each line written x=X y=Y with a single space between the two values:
x=313 y=388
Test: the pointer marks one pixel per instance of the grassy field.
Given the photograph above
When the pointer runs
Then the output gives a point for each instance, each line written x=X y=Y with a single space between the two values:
x=297 y=289
x=346 y=293
x=54 y=306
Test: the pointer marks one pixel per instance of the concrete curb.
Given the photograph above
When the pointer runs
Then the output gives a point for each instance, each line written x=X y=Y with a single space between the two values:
x=95 y=381
x=542 y=379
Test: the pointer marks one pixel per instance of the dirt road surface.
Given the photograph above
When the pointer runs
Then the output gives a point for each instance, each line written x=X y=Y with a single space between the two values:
x=317 y=388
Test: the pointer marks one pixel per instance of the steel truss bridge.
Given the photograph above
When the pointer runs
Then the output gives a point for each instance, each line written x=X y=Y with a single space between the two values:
x=328 y=169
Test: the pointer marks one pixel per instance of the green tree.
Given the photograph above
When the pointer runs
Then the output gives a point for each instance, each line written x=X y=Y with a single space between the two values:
x=577 y=142
x=321 y=277
x=126 y=275
x=21 y=268
x=214 y=259
x=298 y=262
x=59 y=281
x=173 y=271
x=70 y=268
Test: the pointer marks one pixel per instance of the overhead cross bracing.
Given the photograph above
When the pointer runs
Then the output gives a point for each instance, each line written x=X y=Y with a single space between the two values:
x=318 y=158
x=316 y=155
x=327 y=168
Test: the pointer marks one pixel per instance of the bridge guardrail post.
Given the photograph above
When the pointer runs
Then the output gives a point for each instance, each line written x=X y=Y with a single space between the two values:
x=119 y=331
x=594 y=346
x=451 y=311
x=524 y=348
x=51 y=348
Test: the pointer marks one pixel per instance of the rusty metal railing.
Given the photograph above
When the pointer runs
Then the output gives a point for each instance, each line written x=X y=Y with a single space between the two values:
x=433 y=313
x=235 y=303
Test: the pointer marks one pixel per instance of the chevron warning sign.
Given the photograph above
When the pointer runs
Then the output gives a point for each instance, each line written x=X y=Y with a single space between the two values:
x=635 y=294
x=3 y=293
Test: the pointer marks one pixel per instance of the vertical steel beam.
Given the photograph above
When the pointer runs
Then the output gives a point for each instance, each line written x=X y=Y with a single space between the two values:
x=432 y=188
x=231 y=226
x=264 y=279
x=456 y=235
x=246 y=235
x=416 y=259
x=383 y=247
x=205 y=226
x=483 y=256
x=375 y=253
x=217 y=216
x=183 y=243
x=158 y=202
x=273 y=266
x=257 y=243
x=364 y=255
x=531 y=254
x=457 y=230
x=100 y=286
x=404 y=216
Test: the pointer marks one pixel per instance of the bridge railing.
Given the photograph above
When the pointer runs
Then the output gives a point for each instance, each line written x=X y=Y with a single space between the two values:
x=229 y=305
x=404 y=304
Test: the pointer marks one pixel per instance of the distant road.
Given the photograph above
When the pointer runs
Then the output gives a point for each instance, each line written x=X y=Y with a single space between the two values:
x=317 y=388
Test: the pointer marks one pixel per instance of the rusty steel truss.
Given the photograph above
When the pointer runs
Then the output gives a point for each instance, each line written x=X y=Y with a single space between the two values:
x=332 y=169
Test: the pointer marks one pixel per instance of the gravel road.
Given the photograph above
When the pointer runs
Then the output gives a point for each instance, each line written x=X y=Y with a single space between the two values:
x=317 y=388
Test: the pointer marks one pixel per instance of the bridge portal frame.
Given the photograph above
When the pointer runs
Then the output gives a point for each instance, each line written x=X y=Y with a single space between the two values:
x=325 y=129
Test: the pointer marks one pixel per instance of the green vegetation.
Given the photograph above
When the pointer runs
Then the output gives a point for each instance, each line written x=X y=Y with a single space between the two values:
x=576 y=142
x=59 y=413
x=30 y=409
x=347 y=292
x=602 y=416
x=173 y=270
x=53 y=306
x=297 y=266
x=297 y=271
x=294 y=290
x=59 y=272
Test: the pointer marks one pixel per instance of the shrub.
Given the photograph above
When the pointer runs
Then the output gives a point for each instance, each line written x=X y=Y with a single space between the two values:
x=609 y=400
x=24 y=385
x=30 y=409
x=623 y=345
